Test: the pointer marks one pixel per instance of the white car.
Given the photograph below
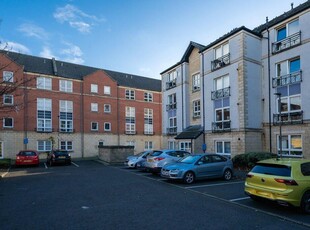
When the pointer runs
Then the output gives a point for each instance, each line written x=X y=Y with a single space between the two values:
x=132 y=161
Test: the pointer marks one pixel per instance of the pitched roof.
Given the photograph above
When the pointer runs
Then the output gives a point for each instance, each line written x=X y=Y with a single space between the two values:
x=41 y=65
x=191 y=132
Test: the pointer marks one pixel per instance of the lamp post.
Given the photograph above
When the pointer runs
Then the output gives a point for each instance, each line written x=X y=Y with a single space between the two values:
x=280 y=122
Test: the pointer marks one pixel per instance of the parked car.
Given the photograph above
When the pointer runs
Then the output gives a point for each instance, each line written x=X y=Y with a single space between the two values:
x=158 y=158
x=58 y=156
x=199 y=166
x=27 y=157
x=285 y=181
x=132 y=161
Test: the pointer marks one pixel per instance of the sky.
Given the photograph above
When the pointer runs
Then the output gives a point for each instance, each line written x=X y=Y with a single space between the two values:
x=140 y=37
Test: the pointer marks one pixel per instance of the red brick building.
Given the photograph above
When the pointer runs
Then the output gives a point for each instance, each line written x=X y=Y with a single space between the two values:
x=74 y=107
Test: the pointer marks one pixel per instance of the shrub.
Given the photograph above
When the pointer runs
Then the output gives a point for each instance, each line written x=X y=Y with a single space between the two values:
x=5 y=163
x=247 y=161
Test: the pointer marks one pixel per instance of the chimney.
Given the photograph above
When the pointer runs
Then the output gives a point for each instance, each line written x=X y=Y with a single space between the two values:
x=292 y=5
x=54 y=66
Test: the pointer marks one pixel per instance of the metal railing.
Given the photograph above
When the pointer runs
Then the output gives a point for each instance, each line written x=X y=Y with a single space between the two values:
x=66 y=130
x=221 y=93
x=172 y=130
x=286 y=43
x=220 y=62
x=44 y=130
x=288 y=118
x=288 y=79
x=171 y=84
x=171 y=106
x=221 y=126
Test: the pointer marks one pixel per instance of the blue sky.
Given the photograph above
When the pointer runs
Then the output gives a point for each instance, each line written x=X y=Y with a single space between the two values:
x=142 y=37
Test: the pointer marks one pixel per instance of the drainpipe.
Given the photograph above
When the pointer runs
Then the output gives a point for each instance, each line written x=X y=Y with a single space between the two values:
x=82 y=117
x=269 y=89
x=25 y=111
x=203 y=100
x=117 y=111
x=182 y=93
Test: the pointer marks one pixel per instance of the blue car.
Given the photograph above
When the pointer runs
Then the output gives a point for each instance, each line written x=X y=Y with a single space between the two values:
x=199 y=166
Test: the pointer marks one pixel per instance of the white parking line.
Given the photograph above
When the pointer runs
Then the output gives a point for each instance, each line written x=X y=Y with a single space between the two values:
x=210 y=185
x=45 y=165
x=76 y=165
x=242 y=198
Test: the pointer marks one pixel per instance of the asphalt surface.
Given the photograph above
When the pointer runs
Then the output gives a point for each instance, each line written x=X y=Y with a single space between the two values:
x=90 y=195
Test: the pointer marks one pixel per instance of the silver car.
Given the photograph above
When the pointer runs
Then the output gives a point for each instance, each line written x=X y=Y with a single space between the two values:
x=133 y=161
x=158 y=158
x=199 y=166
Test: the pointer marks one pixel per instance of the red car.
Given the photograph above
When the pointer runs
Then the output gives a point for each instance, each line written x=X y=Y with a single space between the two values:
x=27 y=157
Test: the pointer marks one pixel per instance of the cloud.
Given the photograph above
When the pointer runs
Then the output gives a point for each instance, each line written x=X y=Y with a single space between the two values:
x=47 y=53
x=76 y=18
x=72 y=54
x=14 y=47
x=32 y=30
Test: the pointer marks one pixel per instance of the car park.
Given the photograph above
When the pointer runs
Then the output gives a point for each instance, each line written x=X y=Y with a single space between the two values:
x=58 y=156
x=133 y=161
x=285 y=181
x=197 y=167
x=158 y=158
x=27 y=157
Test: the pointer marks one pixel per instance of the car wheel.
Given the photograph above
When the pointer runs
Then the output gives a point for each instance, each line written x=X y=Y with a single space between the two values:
x=189 y=177
x=305 y=203
x=227 y=174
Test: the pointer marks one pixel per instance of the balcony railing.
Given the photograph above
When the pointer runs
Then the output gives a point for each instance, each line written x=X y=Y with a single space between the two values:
x=288 y=118
x=221 y=126
x=220 y=62
x=148 y=133
x=286 y=43
x=288 y=79
x=130 y=132
x=172 y=130
x=171 y=106
x=221 y=93
x=44 y=130
x=171 y=84
x=63 y=130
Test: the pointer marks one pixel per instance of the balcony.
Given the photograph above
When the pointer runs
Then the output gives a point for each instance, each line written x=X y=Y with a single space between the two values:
x=286 y=43
x=221 y=93
x=171 y=106
x=288 y=118
x=64 y=130
x=171 y=84
x=288 y=79
x=44 y=130
x=130 y=132
x=220 y=62
x=172 y=131
x=149 y=133
x=221 y=126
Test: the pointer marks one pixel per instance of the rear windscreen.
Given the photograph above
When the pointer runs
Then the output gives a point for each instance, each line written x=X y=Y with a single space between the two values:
x=28 y=153
x=305 y=169
x=156 y=153
x=272 y=169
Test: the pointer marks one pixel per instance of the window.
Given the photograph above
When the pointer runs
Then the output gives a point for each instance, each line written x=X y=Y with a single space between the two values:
x=66 y=116
x=101 y=143
x=107 y=126
x=107 y=108
x=172 y=101
x=94 y=107
x=172 y=119
x=196 y=82
x=223 y=147
x=291 y=145
x=221 y=51
x=94 y=88
x=148 y=96
x=8 y=122
x=107 y=90
x=130 y=120
x=66 y=145
x=8 y=99
x=221 y=82
x=172 y=145
x=148 y=145
x=222 y=115
x=44 y=145
x=287 y=72
x=148 y=121
x=130 y=94
x=288 y=30
x=94 y=126
x=186 y=146
x=131 y=143
x=171 y=80
x=290 y=98
x=196 y=108
x=44 y=115
x=221 y=88
x=44 y=83
x=65 y=86
x=8 y=76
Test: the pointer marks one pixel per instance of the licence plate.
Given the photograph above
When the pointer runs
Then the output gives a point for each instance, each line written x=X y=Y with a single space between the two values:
x=27 y=160
x=150 y=160
x=62 y=157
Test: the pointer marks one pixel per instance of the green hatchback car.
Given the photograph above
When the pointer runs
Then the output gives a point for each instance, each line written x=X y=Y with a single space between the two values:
x=286 y=181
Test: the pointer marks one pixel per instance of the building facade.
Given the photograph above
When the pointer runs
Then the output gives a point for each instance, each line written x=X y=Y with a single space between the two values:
x=76 y=108
x=252 y=98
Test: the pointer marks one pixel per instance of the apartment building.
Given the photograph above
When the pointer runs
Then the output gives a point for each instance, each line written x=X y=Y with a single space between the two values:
x=252 y=98
x=74 y=107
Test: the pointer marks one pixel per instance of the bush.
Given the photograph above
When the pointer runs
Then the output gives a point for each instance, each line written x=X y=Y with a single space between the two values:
x=5 y=163
x=247 y=161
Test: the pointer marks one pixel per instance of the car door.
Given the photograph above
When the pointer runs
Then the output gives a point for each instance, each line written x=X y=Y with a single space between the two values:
x=218 y=165
x=204 y=167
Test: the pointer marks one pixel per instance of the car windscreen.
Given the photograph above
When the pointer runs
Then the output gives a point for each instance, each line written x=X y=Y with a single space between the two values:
x=156 y=153
x=27 y=153
x=190 y=159
x=272 y=169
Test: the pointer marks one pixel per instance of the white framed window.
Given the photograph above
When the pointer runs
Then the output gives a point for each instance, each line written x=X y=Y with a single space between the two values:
x=148 y=145
x=196 y=82
x=94 y=126
x=94 y=88
x=8 y=99
x=291 y=145
x=94 y=107
x=44 y=145
x=65 y=86
x=65 y=116
x=131 y=143
x=44 y=115
x=196 y=108
x=223 y=147
x=66 y=145
x=107 y=90
x=287 y=30
x=44 y=83
x=107 y=108
x=148 y=121
x=8 y=122
x=221 y=82
x=186 y=146
x=130 y=94
x=130 y=120
x=148 y=96
x=8 y=76
x=290 y=99
x=172 y=76
x=107 y=126
x=172 y=145
x=221 y=51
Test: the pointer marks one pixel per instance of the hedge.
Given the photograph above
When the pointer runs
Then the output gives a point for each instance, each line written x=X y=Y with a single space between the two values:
x=5 y=163
x=246 y=161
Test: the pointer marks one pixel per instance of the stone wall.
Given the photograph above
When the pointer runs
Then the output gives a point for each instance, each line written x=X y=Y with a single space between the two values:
x=115 y=154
